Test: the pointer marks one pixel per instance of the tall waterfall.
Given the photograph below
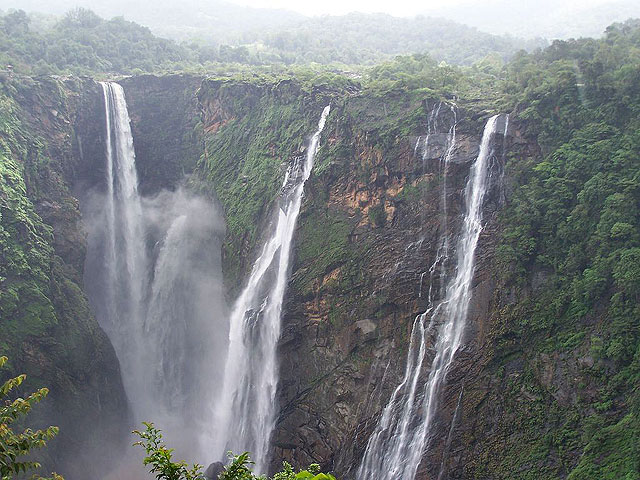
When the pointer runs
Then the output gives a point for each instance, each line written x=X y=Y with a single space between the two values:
x=396 y=447
x=246 y=414
x=153 y=274
x=126 y=263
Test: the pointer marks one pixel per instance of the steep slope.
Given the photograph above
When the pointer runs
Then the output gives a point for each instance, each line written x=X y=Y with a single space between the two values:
x=368 y=229
x=48 y=329
x=372 y=231
x=557 y=384
x=545 y=383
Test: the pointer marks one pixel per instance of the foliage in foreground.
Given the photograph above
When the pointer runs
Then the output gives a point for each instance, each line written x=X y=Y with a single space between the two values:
x=160 y=458
x=14 y=446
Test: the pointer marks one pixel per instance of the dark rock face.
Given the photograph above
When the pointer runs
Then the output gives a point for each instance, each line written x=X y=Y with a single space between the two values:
x=347 y=329
x=214 y=470
x=166 y=125
x=75 y=359
x=368 y=230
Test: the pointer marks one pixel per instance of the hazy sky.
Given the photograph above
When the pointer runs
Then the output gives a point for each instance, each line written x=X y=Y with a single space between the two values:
x=395 y=7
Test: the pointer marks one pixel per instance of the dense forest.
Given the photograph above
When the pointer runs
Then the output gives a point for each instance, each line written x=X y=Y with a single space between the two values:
x=82 y=42
x=574 y=218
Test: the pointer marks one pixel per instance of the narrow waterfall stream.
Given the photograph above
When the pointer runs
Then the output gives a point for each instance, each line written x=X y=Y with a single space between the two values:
x=399 y=441
x=245 y=416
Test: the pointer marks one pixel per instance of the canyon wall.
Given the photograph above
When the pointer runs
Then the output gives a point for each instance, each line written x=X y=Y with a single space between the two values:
x=514 y=403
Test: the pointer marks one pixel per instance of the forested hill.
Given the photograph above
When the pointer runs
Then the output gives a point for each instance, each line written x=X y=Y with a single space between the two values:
x=83 y=42
x=547 y=385
x=570 y=253
x=368 y=38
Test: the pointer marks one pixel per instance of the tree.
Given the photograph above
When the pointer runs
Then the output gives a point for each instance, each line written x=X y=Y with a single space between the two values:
x=16 y=23
x=14 y=446
x=81 y=18
x=162 y=465
x=161 y=458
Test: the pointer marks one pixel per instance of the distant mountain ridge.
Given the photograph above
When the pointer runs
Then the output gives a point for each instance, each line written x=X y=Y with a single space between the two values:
x=223 y=32
x=185 y=20
x=544 y=18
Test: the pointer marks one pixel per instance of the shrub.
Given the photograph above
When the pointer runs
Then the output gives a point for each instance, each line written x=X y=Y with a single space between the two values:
x=14 y=446
x=162 y=464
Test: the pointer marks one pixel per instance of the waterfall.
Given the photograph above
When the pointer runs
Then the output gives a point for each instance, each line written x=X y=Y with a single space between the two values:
x=184 y=329
x=125 y=275
x=246 y=414
x=154 y=277
x=399 y=441
x=422 y=144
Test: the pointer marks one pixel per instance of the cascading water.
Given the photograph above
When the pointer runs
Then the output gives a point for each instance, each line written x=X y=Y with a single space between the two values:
x=396 y=447
x=245 y=416
x=182 y=340
x=125 y=259
x=155 y=303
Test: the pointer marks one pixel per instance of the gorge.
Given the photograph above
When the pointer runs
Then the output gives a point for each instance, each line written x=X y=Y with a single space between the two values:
x=388 y=279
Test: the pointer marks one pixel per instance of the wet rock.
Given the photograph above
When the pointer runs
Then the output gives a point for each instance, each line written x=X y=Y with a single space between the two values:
x=213 y=471
x=366 y=330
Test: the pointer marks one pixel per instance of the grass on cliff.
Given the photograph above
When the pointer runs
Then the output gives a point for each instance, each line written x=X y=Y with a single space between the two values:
x=25 y=243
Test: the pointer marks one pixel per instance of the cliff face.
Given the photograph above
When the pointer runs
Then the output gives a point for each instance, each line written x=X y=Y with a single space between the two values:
x=53 y=135
x=167 y=128
x=368 y=231
x=252 y=132
x=48 y=329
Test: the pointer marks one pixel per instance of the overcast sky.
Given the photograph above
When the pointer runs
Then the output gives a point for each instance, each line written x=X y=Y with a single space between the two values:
x=180 y=19
x=394 y=7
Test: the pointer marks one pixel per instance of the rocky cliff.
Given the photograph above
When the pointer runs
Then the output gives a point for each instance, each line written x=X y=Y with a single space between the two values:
x=542 y=387
x=53 y=135
x=369 y=229
x=369 y=233
x=533 y=362
x=48 y=329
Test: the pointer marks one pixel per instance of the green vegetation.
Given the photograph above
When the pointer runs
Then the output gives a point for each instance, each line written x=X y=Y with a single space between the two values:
x=160 y=458
x=15 y=446
x=569 y=250
x=246 y=154
x=48 y=329
x=359 y=38
x=575 y=217
x=377 y=215
x=324 y=247
x=82 y=42
x=25 y=241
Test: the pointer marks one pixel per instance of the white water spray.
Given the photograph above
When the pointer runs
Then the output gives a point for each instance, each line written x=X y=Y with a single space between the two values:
x=245 y=417
x=398 y=443
x=155 y=304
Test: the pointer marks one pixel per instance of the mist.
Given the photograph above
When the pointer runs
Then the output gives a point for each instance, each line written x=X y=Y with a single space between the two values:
x=180 y=350
x=243 y=22
x=186 y=318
